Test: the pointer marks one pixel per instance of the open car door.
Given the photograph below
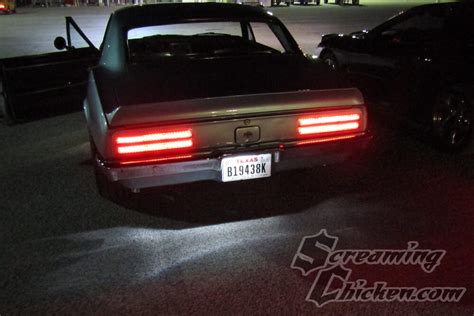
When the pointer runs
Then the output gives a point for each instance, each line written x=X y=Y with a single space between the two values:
x=49 y=84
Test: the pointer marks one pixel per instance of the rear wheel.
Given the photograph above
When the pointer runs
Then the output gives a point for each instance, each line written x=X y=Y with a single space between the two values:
x=114 y=191
x=111 y=190
x=4 y=109
x=452 y=119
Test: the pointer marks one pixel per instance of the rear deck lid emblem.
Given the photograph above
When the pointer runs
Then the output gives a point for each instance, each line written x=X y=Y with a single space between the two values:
x=246 y=135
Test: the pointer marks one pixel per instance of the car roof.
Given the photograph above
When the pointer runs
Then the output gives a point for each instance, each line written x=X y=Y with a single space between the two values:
x=168 y=12
x=121 y=21
x=459 y=4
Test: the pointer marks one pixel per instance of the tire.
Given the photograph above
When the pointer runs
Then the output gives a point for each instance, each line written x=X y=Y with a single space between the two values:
x=5 y=114
x=452 y=120
x=112 y=191
x=330 y=60
x=3 y=106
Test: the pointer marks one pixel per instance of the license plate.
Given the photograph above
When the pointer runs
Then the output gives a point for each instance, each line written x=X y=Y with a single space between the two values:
x=246 y=167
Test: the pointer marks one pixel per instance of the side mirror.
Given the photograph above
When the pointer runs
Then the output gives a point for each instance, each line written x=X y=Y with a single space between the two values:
x=60 y=43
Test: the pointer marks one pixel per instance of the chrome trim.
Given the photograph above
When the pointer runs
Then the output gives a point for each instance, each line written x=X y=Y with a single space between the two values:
x=154 y=175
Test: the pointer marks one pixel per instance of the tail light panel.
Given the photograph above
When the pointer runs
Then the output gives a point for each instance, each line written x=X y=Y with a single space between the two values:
x=332 y=124
x=177 y=143
x=158 y=143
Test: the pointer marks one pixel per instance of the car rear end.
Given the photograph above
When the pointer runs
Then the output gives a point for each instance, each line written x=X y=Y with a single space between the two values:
x=229 y=139
x=198 y=95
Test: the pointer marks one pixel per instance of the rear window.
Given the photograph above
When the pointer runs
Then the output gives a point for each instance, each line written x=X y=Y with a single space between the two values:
x=204 y=39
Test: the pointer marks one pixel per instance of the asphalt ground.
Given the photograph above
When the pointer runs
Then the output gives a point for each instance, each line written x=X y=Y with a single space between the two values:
x=210 y=248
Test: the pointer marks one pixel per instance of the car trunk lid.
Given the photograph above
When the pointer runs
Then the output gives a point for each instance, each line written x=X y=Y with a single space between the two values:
x=232 y=107
x=212 y=126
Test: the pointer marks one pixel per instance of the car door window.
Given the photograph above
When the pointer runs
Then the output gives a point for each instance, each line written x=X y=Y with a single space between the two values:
x=77 y=41
x=264 y=35
x=460 y=24
x=75 y=36
x=414 y=30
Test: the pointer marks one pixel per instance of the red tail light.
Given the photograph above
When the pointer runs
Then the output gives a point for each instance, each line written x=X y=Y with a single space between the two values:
x=153 y=141
x=331 y=123
x=2 y=6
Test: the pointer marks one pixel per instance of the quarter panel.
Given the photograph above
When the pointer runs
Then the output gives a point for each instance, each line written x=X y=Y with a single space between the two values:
x=96 y=120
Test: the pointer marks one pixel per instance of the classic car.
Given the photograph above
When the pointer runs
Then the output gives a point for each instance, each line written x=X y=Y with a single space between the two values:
x=418 y=64
x=191 y=92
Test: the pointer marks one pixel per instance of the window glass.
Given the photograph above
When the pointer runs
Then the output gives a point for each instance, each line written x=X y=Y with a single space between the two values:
x=203 y=40
x=229 y=28
x=422 y=22
x=460 y=24
x=423 y=27
x=265 y=36
x=77 y=41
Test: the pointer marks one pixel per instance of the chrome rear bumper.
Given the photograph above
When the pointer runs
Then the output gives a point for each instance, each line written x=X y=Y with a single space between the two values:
x=298 y=157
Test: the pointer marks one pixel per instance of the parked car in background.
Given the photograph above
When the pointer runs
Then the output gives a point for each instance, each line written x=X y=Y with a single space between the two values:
x=8 y=6
x=340 y=2
x=302 y=2
x=316 y=2
x=222 y=92
x=420 y=63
